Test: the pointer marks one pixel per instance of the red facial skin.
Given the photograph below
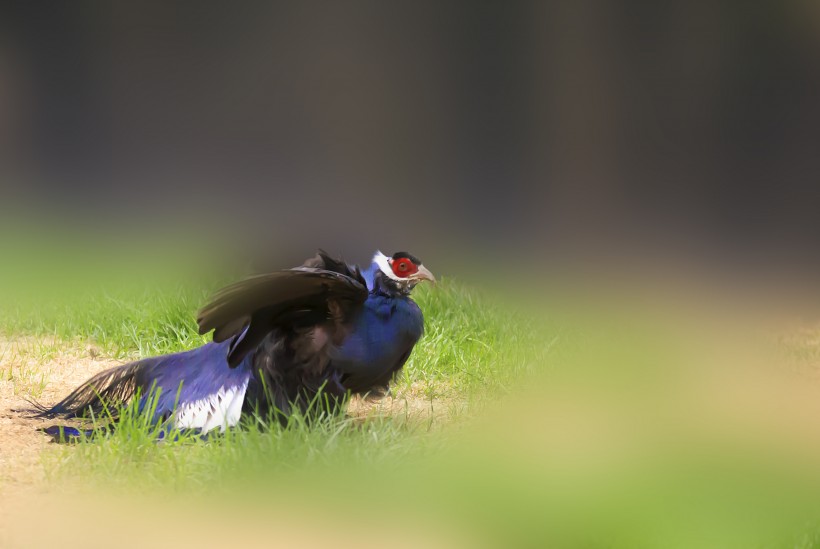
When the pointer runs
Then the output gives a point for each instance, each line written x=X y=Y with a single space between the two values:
x=403 y=267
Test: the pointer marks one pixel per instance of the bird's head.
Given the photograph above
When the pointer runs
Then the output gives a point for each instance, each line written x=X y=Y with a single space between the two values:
x=403 y=270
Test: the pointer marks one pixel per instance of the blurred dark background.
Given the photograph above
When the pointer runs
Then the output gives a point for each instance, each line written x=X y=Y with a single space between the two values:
x=575 y=129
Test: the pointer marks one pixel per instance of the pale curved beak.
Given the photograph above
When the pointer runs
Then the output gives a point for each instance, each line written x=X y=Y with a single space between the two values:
x=423 y=274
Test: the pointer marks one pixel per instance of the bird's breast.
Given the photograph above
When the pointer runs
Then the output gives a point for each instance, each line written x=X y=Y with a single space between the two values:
x=382 y=335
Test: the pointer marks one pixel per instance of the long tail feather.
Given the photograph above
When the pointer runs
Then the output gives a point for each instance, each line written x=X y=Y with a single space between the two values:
x=68 y=434
x=102 y=394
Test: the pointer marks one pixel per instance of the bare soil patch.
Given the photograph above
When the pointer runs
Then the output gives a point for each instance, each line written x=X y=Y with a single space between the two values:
x=411 y=403
x=35 y=369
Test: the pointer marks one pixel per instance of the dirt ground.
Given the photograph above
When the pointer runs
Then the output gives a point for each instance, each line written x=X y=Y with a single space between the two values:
x=44 y=371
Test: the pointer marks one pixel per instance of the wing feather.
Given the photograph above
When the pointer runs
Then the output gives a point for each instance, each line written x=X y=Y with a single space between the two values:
x=306 y=296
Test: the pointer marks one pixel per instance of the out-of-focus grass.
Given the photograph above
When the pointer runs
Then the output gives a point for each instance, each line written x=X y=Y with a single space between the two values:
x=128 y=304
x=575 y=428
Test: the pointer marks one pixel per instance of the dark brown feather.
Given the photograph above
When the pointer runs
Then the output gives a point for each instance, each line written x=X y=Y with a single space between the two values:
x=324 y=291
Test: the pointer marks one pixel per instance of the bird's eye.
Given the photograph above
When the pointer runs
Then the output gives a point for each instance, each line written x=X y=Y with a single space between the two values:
x=403 y=267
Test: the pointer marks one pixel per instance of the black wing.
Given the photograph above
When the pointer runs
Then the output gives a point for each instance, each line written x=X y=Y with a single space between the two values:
x=322 y=290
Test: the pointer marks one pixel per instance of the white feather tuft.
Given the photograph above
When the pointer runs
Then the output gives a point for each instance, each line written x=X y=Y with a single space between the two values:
x=221 y=409
x=384 y=266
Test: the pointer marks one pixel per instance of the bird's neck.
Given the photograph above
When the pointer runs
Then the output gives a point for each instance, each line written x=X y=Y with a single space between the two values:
x=384 y=285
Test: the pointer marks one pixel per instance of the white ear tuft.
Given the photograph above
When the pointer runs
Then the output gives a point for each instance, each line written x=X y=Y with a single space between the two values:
x=384 y=266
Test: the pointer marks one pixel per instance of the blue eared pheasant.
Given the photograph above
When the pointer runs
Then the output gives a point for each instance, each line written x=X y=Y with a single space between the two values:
x=298 y=339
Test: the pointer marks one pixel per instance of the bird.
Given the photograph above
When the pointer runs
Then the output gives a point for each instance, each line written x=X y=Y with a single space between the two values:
x=300 y=340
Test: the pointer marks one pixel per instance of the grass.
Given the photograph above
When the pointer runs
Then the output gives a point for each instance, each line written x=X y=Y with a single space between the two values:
x=564 y=430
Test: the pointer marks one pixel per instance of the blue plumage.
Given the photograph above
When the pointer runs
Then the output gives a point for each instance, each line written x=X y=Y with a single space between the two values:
x=384 y=332
x=194 y=375
x=282 y=342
